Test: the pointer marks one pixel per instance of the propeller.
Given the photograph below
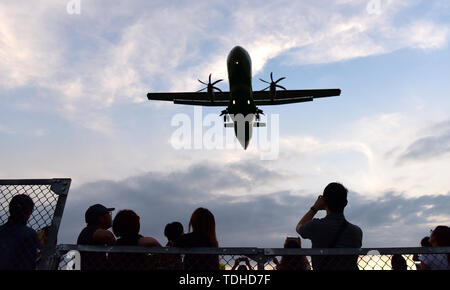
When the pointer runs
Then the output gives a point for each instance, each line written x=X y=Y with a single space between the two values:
x=210 y=87
x=273 y=85
x=258 y=111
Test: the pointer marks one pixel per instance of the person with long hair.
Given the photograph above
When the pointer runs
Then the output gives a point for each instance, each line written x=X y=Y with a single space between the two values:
x=126 y=226
x=440 y=237
x=18 y=243
x=203 y=234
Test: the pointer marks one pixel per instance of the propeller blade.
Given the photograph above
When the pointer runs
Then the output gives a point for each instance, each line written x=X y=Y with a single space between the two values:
x=280 y=79
x=264 y=81
x=281 y=87
x=202 y=82
x=217 y=89
x=216 y=82
x=209 y=78
x=271 y=76
x=200 y=90
x=265 y=89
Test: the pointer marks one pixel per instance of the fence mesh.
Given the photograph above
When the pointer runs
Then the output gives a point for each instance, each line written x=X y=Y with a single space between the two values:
x=39 y=235
x=133 y=258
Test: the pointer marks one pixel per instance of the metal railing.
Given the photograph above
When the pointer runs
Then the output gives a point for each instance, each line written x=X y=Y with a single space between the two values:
x=49 y=197
x=243 y=258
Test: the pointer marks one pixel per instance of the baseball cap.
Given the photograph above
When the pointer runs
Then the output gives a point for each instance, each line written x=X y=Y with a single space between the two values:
x=95 y=211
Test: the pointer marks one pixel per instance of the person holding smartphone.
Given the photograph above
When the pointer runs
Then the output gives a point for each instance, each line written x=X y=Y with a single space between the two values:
x=332 y=231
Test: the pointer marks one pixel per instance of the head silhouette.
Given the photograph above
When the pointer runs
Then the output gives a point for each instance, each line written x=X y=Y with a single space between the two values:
x=20 y=208
x=202 y=221
x=425 y=242
x=126 y=223
x=335 y=195
x=292 y=244
x=398 y=263
x=173 y=231
x=440 y=237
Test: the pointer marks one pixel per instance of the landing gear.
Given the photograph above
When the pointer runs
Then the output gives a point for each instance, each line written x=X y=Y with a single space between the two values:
x=257 y=117
x=224 y=113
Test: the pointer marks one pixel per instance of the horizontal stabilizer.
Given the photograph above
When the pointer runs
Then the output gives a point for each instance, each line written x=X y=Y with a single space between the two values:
x=259 y=124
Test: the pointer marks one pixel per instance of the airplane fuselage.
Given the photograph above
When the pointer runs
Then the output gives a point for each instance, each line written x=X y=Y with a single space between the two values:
x=239 y=67
x=241 y=103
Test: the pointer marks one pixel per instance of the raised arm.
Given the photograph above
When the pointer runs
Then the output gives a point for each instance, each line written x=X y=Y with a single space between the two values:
x=318 y=205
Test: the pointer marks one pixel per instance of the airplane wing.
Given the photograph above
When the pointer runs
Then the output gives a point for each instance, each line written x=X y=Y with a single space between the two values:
x=192 y=98
x=262 y=98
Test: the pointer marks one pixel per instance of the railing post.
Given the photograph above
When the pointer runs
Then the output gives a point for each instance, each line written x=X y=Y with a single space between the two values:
x=61 y=188
x=260 y=259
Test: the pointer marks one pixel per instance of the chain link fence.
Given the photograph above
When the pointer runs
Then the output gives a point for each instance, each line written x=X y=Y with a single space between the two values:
x=49 y=198
x=70 y=257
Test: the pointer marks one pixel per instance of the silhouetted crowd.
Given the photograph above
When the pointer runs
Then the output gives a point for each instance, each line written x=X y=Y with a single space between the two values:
x=20 y=245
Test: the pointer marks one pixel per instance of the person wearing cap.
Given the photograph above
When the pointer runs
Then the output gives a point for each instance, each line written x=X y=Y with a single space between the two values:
x=99 y=220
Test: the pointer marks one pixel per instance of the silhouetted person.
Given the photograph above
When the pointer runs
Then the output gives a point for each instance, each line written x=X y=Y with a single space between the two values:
x=172 y=232
x=440 y=237
x=292 y=262
x=398 y=263
x=239 y=267
x=126 y=226
x=333 y=231
x=18 y=243
x=425 y=242
x=99 y=220
x=203 y=235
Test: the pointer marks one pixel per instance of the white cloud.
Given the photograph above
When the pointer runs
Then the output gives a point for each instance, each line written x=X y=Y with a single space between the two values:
x=115 y=53
x=365 y=155
x=5 y=130
x=29 y=49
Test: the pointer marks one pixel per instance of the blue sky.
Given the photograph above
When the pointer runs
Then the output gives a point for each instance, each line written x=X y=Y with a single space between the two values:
x=73 y=91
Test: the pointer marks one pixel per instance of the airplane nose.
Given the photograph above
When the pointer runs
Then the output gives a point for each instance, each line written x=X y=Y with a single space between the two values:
x=238 y=48
x=238 y=52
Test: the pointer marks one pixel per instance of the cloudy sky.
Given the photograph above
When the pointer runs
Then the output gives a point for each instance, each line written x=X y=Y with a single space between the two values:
x=73 y=85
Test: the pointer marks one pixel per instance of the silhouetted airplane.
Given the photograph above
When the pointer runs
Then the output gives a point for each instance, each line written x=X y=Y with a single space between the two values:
x=241 y=100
